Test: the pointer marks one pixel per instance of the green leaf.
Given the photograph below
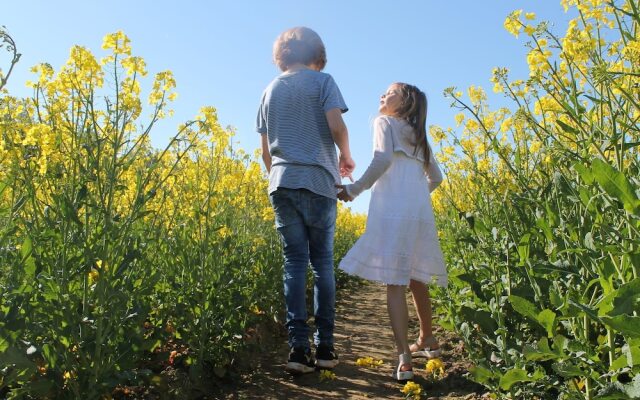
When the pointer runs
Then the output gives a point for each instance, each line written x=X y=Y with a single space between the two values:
x=567 y=369
x=547 y=319
x=606 y=271
x=472 y=281
x=50 y=355
x=483 y=318
x=587 y=310
x=625 y=324
x=588 y=241
x=624 y=300
x=540 y=351
x=481 y=374
x=4 y=344
x=619 y=391
x=517 y=375
x=619 y=363
x=632 y=354
x=27 y=258
x=523 y=248
x=524 y=307
x=616 y=184
x=584 y=172
x=16 y=358
x=544 y=227
x=567 y=128
x=551 y=216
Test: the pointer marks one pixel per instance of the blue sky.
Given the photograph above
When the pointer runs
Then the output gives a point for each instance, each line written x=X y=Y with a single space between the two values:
x=220 y=51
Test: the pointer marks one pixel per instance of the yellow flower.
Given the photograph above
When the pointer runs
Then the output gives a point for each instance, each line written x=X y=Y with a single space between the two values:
x=326 y=375
x=118 y=42
x=412 y=390
x=93 y=276
x=435 y=367
x=476 y=94
x=368 y=362
x=530 y=15
x=512 y=23
x=66 y=376
x=459 y=118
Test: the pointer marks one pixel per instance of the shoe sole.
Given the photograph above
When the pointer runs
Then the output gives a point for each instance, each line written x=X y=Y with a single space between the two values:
x=403 y=376
x=427 y=353
x=328 y=364
x=295 y=368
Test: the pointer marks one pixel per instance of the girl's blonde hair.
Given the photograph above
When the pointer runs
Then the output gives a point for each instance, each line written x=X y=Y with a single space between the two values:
x=299 y=45
x=414 y=110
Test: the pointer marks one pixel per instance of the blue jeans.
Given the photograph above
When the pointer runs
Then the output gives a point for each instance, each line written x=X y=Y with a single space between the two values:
x=306 y=223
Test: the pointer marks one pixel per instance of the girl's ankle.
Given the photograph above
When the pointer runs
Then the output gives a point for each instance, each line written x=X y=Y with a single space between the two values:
x=428 y=341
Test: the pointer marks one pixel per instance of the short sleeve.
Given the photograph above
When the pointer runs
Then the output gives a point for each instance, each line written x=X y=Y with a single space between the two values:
x=331 y=97
x=261 y=120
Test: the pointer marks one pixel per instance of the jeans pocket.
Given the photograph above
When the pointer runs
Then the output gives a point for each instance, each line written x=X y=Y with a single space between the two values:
x=284 y=209
x=322 y=214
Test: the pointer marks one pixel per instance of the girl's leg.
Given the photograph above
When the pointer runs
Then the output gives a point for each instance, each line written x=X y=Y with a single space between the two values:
x=422 y=302
x=399 y=317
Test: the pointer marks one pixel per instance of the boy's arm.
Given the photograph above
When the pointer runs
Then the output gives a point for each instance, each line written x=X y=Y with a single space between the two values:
x=266 y=156
x=340 y=136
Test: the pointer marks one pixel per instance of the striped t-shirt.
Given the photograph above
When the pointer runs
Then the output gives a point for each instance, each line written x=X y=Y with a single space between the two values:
x=292 y=115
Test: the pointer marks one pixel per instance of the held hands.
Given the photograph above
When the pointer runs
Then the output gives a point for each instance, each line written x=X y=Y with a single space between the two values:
x=342 y=194
x=347 y=165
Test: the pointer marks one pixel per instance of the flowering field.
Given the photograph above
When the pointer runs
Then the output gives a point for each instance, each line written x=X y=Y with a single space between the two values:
x=118 y=259
x=540 y=212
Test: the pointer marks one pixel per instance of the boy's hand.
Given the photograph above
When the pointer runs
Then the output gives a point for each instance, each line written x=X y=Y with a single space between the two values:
x=342 y=194
x=347 y=165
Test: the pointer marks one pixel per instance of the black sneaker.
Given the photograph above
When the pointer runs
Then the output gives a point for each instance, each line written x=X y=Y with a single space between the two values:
x=300 y=361
x=326 y=357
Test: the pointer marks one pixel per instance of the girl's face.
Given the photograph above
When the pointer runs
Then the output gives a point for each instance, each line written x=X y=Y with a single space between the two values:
x=390 y=101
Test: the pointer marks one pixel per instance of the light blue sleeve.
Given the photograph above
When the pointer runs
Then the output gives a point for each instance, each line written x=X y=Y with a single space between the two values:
x=331 y=97
x=261 y=121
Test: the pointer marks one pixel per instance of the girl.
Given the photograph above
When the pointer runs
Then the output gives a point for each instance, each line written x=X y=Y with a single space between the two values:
x=400 y=245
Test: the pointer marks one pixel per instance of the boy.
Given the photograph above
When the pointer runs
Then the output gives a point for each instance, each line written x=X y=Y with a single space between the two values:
x=300 y=121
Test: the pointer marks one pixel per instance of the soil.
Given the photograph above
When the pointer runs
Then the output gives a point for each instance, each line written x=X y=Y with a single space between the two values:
x=362 y=330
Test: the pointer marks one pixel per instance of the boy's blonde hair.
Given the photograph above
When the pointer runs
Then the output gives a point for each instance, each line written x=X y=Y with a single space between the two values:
x=299 y=45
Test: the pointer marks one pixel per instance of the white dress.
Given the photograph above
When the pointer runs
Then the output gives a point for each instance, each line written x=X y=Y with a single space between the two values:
x=401 y=240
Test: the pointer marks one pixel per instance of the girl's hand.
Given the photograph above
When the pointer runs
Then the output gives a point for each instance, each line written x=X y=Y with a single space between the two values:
x=342 y=194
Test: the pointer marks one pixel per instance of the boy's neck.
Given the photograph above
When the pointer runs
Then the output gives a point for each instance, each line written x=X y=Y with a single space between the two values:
x=300 y=67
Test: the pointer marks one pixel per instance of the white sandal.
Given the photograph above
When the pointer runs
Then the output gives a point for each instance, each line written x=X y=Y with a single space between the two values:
x=401 y=376
x=427 y=351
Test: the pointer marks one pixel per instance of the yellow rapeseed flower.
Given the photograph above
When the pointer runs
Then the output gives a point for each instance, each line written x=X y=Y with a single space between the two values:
x=93 y=276
x=435 y=367
x=118 y=42
x=476 y=94
x=512 y=23
x=368 y=362
x=326 y=375
x=412 y=390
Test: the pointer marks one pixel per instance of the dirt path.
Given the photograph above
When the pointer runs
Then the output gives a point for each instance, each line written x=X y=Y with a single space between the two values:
x=362 y=330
